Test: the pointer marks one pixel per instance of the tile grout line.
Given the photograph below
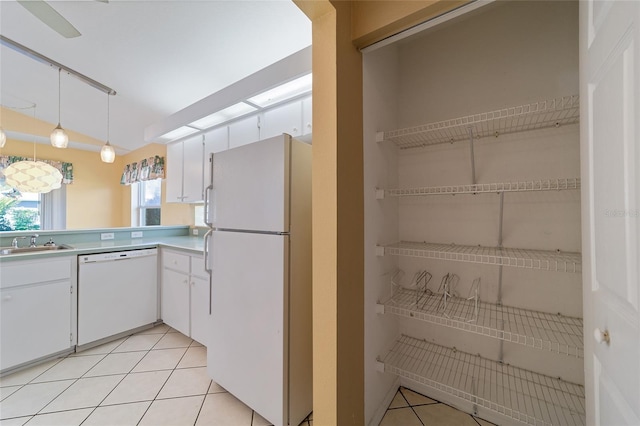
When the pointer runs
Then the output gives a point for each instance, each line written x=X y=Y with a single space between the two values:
x=409 y=404
x=203 y=401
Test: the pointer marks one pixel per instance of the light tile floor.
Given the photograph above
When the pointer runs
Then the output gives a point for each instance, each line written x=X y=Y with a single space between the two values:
x=159 y=377
x=409 y=408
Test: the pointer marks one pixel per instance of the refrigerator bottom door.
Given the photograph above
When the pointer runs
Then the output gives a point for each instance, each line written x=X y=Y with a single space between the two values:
x=246 y=353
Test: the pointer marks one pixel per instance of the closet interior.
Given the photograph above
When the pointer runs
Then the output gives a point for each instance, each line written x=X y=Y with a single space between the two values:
x=473 y=292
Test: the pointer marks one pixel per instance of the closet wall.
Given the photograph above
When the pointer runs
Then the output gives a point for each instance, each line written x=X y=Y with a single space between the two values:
x=499 y=56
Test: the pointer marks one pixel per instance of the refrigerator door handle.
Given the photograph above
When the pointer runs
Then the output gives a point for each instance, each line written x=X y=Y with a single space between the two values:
x=207 y=191
x=207 y=237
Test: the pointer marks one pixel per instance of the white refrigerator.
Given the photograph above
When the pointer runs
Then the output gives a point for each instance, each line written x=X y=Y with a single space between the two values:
x=259 y=253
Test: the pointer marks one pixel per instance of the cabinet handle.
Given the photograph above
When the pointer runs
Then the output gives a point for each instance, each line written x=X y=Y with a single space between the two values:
x=7 y=297
x=602 y=336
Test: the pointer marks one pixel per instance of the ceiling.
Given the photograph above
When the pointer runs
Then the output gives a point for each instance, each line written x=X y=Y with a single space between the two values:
x=159 y=56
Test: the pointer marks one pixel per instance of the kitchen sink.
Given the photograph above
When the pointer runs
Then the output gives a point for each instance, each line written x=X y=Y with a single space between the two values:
x=16 y=250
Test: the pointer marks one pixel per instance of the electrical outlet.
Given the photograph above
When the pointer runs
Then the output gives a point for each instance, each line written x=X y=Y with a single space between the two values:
x=194 y=231
x=107 y=236
x=136 y=234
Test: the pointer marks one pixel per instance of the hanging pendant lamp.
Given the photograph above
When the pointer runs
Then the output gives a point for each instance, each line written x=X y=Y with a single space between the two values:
x=107 y=153
x=59 y=137
x=32 y=176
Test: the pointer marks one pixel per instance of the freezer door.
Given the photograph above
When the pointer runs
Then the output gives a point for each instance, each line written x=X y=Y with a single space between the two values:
x=246 y=352
x=251 y=186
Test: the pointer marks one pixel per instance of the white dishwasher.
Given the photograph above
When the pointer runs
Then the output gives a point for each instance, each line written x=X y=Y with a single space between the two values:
x=117 y=292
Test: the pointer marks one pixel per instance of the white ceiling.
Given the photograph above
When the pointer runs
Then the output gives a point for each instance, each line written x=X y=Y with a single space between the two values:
x=159 y=56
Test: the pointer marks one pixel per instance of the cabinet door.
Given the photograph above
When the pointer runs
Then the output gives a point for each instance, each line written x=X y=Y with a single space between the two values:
x=35 y=322
x=193 y=170
x=244 y=131
x=215 y=141
x=173 y=185
x=199 y=309
x=175 y=300
x=307 y=117
x=283 y=119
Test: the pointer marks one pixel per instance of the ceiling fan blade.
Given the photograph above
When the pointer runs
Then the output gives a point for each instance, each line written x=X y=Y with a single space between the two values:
x=51 y=17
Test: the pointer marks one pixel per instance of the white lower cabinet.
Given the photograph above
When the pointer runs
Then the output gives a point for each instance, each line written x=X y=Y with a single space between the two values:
x=185 y=294
x=36 y=311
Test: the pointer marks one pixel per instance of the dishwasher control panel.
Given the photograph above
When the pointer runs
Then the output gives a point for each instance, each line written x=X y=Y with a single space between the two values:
x=116 y=255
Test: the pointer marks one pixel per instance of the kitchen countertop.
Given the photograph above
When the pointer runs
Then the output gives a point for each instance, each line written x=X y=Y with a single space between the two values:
x=190 y=243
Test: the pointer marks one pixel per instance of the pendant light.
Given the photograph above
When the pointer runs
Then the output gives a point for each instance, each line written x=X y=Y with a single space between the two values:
x=32 y=176
x=59 y=137
x=107 y=153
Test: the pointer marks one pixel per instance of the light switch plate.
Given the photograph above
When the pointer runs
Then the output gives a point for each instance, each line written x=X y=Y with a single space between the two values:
x=107 y=236
x=136 y=234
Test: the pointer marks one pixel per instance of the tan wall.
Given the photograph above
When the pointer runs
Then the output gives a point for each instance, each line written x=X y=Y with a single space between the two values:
x=95 y=199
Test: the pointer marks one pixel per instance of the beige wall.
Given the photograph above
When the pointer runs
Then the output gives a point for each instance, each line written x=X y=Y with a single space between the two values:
x=376 y=20
x=95 y=199
x=339 y=28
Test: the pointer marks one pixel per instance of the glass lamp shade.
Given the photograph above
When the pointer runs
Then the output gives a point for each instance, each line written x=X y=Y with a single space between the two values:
x=107 y=153
x=3 y=138
x=59 y=137
x=32 y=176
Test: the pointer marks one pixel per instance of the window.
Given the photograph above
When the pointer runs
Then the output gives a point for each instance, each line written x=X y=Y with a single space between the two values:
x=146 y=198
x=24 y=211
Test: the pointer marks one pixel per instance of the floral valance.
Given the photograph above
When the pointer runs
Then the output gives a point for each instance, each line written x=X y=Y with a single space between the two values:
x=66 y=169
x=147 y=169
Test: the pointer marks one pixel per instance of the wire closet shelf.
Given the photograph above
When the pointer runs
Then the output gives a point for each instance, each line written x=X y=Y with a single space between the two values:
x=546 y=260
x=519 y=394
x=483 y=188
x=539 y=330
x=538 y=115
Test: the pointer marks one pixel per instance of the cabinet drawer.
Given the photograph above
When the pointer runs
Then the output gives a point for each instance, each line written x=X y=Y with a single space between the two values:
x=176 y=261
x=21 y=273
x=197 y=267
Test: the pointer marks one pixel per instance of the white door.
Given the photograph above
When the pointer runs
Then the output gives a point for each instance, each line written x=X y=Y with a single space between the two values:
x=610 y=160
x=246 y=347
x=250 y=187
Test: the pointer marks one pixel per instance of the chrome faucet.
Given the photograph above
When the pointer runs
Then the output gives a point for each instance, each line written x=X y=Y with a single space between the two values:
x=32 y=242
x=14 y=243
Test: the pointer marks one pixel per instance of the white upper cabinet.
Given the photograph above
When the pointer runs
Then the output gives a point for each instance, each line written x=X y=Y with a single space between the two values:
x=173 y=185
x=286 y=118
x=244 y=131
x=185 y=167
x=193 y=182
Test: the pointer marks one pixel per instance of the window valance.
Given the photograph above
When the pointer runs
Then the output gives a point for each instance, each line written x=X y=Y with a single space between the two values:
x=146 y=169
x=66 y=169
